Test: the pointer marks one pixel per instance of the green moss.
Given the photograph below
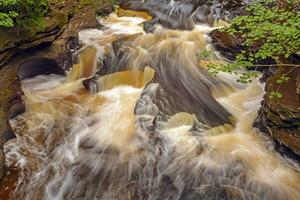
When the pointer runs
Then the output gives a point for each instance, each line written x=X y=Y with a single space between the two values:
x=26 y=14
x=54 y=18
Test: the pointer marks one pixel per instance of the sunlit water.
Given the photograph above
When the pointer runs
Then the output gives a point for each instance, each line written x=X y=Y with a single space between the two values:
x=154 y=125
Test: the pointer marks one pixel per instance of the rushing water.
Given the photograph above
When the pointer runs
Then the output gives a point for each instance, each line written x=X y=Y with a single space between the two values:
x=137 y=117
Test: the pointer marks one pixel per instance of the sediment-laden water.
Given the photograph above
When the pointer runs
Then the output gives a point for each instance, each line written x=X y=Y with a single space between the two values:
x=139 y=117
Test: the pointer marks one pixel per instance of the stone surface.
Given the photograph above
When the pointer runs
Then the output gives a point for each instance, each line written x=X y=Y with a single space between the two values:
x=9 y=88
x=226 y=44
x=57 y=42
x=280 y=117
x=15 y=41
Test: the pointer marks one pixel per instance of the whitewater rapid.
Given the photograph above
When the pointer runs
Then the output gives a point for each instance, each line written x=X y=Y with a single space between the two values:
x=148 y=123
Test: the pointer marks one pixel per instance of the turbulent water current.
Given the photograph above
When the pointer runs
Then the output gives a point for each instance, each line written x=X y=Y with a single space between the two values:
x=139 y=117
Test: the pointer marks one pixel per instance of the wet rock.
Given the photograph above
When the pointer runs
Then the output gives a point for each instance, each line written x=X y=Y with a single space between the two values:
x=15 y=107
x=229 y=46
x=9 y=183
x=38 y=66
x=280 y=117
x=15 y=41
x=228 y=9
x=10 y=88
x=62 y=23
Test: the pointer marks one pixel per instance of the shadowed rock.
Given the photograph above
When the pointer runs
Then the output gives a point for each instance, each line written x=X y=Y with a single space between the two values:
x=38 y=66
x=280 y=117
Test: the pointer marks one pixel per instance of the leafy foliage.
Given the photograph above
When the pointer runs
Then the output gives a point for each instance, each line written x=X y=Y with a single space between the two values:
x=275 y=94
x=270 y=30
x=274 y=27
x=22 y=13
x=7 y=19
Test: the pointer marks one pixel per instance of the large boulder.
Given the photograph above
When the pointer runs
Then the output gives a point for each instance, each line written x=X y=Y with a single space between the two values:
x=280 y=117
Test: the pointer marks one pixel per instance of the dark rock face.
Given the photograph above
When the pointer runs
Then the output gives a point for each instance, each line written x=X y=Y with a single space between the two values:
x=62 y=23
x=55 y=44
x=280 y=118
x=38 y=66
x=14 y=41
x=9 y=90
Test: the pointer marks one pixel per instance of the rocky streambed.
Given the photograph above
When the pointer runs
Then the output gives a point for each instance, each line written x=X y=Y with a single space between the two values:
x=278 y=118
